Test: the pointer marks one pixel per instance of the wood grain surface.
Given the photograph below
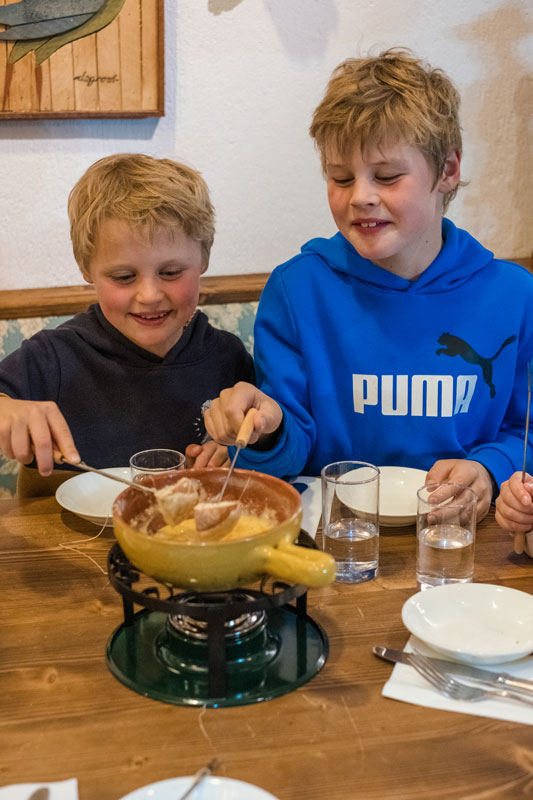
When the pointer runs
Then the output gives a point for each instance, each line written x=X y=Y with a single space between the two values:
x=62 y=713
x=112 y=71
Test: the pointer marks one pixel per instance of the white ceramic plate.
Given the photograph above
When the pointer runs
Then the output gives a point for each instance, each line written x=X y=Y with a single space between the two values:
x=397 y=494
x=211 y=788
x=91 y=496
x=477 y=623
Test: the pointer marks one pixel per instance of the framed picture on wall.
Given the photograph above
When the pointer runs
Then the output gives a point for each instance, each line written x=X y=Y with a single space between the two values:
x=81 y=58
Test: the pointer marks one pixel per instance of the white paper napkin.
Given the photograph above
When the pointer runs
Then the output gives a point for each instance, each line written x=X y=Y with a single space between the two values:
x=59 y=790
x=311 y=503
x=407 y=685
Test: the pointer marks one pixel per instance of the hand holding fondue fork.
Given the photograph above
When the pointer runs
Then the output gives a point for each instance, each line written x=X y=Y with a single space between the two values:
x=514 y=505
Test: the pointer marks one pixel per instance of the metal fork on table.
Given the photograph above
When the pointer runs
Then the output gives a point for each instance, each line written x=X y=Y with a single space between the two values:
x=456 y=690
x=199 y=776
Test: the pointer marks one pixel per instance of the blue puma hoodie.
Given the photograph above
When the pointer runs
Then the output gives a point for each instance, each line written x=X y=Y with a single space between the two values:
x=371 y=366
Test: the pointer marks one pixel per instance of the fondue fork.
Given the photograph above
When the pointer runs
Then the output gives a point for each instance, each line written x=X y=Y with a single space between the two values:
x=243 y=437
x=198 y=778
x=60 y=459
x=520 y=538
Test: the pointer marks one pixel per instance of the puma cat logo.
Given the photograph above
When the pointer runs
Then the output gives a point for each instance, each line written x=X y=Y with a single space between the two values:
x=454 y=346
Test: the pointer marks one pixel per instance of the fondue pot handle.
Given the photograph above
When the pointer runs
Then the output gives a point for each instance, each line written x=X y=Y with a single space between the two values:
x=296 y=564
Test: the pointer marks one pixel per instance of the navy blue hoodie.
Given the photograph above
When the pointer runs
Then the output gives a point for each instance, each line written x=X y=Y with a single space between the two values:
x=118 y=398
x=371 y=366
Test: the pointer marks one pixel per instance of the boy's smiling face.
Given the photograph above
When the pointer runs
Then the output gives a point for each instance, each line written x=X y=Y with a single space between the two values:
x=387 y=203
x=147 y=289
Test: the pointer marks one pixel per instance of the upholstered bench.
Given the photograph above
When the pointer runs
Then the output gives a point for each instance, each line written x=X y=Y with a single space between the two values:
x=236 y=314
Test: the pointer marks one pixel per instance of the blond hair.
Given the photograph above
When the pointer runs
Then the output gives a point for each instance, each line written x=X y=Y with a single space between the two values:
x=391 y=98
x=149 y=193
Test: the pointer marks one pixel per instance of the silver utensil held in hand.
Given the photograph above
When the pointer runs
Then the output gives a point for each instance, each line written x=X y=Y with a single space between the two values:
x=520 y=538
x=198 y=777
x=82 y=465
x=243 y=437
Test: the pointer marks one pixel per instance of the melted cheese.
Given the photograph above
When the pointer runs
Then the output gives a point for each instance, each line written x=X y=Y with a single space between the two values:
x=185 y=531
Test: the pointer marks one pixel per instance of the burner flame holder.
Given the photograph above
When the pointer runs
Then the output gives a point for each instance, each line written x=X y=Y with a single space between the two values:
x=213 y=608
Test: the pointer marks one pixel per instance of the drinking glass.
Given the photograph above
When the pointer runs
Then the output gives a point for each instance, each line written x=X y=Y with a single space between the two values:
x=155 y=462
x=445 y=534
x=350 y=518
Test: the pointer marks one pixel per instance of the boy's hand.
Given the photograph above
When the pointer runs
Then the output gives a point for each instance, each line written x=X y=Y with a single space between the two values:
x=209 y=454
x=31 y=429
x=224 y=416
x=467 y=473
x=514 y=505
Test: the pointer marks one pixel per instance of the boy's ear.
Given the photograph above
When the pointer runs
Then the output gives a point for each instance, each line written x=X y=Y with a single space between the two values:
x=451 y=174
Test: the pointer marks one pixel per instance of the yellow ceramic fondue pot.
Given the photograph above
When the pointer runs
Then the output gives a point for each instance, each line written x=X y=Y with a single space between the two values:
x=213 y=566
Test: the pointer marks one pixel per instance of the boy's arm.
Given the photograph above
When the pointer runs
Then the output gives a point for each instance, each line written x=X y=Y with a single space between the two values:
x=226 y=413
x=282 y=378
x=514 y=505
x=486 y=466
x=505 y=453
x=466 y=473
x=31 y=429
x=31 y=424
x=514 y=511
x=208 y=454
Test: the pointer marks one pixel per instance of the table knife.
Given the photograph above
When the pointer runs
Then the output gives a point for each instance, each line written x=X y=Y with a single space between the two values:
x=482 y=676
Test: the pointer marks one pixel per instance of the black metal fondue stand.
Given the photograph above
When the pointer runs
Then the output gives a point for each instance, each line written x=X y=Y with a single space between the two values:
x=213 y=648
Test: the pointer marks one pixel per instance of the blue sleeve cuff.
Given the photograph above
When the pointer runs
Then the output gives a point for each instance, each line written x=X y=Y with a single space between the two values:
x=278 y=462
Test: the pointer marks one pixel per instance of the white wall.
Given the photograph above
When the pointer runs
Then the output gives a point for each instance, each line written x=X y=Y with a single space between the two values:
x=242 y=80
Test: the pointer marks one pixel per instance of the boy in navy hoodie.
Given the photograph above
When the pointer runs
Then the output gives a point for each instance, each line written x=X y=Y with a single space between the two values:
x=135 y=370
x=400 y=340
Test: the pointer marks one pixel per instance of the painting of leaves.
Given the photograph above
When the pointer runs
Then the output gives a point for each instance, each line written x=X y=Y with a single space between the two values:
x=81 y=58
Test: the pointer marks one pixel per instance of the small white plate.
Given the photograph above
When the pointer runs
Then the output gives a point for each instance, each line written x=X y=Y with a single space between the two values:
x=211 y=788
x=91 y=496
x=397 y=494
x=477 y=623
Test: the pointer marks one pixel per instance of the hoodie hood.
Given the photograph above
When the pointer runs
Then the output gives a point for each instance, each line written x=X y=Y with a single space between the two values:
x=459 y=258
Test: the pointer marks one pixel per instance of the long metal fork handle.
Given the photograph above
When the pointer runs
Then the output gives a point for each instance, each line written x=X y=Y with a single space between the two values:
x=82 y=465
x=198 y=777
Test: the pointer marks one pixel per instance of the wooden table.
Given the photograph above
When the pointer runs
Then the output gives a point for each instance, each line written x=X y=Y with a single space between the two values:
x=64 y=715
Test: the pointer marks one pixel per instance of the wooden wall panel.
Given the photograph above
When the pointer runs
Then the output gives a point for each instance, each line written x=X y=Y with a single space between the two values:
x=108 y=66
x=152 y=43
x=64 y=300
x=115 y=72
x=131 y=56
x=85 y=65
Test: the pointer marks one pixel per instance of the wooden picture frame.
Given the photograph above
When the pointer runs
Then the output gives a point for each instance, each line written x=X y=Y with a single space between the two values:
x=115 y=71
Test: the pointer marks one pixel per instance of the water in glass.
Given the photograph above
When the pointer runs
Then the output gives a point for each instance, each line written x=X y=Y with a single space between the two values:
x=354 y=544
x=445 y=554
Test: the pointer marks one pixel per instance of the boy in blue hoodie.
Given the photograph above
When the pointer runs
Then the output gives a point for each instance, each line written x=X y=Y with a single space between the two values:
x=135 y=370
x=400 y=340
